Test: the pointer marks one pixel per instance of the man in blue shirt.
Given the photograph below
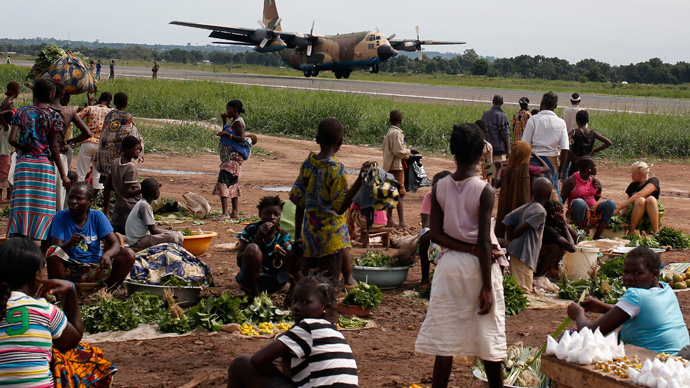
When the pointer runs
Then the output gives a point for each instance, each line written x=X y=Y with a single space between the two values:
x=498 y=131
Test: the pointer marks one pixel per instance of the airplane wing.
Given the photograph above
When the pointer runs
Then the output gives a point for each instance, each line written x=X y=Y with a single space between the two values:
x=415 y=44
x=247 y=36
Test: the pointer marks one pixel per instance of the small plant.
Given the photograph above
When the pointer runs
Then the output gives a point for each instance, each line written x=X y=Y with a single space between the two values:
x=364 y=295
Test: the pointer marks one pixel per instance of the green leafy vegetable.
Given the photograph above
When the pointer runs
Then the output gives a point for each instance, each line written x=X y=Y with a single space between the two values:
x=111 y=314
x=373 y=259
x=637 y=240
x=364 y=295
x=515 y=299
x=352 y=322
x=262 y=310
x=214 y=312
x=673 y=238
x=186 y=232
x=616 y=223
x=608 y=290
x=172 y=280
x=613 y=268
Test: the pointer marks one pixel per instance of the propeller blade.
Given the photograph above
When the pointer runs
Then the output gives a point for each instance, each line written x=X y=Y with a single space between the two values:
x=278 y=23
x=417 y=28
x=312 y=27
x=391 y=37
x=419 y=54
x=261 y=23
x=263 y=42
x=377 y=29
x=309 y=50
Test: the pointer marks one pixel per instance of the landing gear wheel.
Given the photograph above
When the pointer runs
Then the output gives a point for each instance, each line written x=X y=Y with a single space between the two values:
x=315 y=72
x=338 y=75
x=346 y=74
x=307 y=73
x=376 y=68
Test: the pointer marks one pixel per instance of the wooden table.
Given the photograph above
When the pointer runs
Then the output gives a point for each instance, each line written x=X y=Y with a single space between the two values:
x=572 y=375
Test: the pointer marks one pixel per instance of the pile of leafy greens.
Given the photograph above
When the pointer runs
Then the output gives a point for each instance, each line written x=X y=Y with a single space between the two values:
x=606 y=289
x=673 y=238
x=364 y=295
x=515 y=299
x=373 y=259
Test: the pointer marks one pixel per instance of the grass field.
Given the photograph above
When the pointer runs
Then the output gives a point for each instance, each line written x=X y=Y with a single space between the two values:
x=294 y=113
x=536 y=85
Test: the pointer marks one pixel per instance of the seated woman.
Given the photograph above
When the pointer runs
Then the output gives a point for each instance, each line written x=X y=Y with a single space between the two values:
x=648 y=313
x=642 y=210
x=77 y=233
x=265 y=256
x=582 y=191
x=39 y=341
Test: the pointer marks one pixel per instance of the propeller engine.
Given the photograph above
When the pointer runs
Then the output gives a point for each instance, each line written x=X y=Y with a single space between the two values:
x=266 y=35
x=308 y=40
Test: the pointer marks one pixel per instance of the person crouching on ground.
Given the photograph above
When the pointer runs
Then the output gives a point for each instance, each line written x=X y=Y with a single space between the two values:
x=314 y=352
x=141 y=228
x=558 y=238
x=524 y=229
x=77 y=233
x=648 y=313
x=265 y=255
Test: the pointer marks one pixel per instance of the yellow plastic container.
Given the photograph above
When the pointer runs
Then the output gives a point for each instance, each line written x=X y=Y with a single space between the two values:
x=198 y=242
x=580 y=264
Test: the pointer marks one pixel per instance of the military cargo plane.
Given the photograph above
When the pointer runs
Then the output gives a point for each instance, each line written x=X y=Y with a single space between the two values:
x=312 y=53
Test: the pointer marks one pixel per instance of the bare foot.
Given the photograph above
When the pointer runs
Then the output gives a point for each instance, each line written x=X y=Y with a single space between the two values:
x=234 y=215
x=223 y=217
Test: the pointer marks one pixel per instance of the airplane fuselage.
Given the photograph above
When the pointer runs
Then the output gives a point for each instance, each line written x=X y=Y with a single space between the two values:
x=341 y=53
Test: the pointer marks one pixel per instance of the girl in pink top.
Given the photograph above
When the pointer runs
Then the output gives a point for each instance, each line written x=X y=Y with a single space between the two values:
x=466 y=315
x=582 y=191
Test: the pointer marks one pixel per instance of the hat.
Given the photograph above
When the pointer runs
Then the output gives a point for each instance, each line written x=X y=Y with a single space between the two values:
x=524 y=101
x=575 y=97
x=12 y=88
x=237 y=104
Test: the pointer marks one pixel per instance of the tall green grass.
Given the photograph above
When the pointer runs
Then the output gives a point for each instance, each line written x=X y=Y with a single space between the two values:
x=295 y=113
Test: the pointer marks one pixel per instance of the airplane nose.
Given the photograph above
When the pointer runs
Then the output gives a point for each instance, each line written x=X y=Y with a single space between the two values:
x=386 y=52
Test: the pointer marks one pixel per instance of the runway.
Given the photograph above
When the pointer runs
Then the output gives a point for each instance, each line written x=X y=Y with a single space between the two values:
x=407 y=92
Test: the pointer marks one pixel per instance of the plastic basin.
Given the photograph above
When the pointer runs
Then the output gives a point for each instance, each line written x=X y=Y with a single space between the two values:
x=382 y=277
x=198 y=243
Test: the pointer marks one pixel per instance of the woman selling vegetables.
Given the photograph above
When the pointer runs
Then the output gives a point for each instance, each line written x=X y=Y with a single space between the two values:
x=265 y=255
x=642 y=210
x=648 y=313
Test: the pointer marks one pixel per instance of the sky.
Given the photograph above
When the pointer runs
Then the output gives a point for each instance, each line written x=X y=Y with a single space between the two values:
x=618 y=32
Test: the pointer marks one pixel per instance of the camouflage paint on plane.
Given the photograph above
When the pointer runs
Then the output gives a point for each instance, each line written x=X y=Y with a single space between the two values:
x=312 y=53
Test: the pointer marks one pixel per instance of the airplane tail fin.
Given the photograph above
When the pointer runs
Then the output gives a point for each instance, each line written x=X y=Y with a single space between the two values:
x=271 y=15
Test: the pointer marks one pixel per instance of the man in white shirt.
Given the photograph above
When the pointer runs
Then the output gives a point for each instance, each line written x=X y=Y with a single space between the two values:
x=548 y=136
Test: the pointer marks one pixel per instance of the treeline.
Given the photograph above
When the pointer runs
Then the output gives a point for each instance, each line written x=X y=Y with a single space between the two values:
x=653 y=71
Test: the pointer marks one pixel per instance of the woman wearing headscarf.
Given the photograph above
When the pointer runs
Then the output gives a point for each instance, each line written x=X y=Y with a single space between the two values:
x=520 y=119
x=516 y=182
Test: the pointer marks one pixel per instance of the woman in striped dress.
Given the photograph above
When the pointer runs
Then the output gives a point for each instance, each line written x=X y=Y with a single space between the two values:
x=34 y=133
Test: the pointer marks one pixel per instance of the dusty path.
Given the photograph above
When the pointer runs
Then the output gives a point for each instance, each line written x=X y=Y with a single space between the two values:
x=385 y=355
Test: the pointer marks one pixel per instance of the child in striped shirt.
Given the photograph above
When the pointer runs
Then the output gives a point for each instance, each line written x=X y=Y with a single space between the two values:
x=317 y=352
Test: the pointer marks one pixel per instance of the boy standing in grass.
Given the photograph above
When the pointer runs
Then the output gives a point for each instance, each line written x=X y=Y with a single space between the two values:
x=124 y=181
x=322 y=197
x=141 y=228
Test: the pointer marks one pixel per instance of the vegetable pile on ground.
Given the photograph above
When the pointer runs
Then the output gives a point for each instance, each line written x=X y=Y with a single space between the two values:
x=364 y=295
x=111 y=314
x=606 y=289
x=515 y=299
x=517 y=369
x=672 y=238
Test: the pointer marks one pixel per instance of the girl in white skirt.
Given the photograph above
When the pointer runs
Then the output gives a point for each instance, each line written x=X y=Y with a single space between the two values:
x=466 y=315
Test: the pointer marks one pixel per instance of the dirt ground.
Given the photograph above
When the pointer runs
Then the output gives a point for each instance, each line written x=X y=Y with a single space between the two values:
x=385 y=355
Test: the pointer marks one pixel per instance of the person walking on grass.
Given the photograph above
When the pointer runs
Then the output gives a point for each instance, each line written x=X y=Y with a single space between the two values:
x=228 y=186
x=395 y=151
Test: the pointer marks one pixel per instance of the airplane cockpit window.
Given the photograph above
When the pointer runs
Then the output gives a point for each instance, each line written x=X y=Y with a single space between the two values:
x=378 y=37
x=370 y=38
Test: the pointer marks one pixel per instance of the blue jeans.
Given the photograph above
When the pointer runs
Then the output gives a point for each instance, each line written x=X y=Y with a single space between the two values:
x=605 y=209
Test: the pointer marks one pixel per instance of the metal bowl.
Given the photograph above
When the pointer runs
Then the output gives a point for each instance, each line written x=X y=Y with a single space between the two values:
x=185 y=296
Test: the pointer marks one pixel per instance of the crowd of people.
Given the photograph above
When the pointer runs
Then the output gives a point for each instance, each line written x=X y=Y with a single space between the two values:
x=543 y=169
